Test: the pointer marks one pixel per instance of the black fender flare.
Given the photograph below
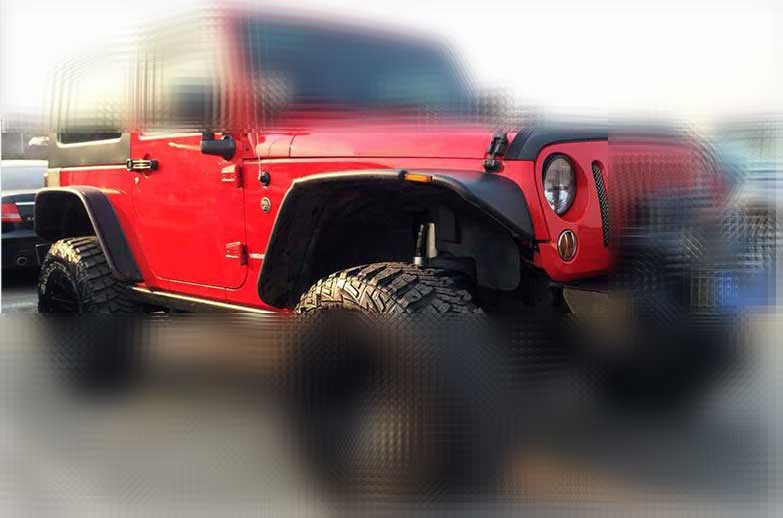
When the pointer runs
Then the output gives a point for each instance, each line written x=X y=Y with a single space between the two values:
x=279 y=281
x=50 y=204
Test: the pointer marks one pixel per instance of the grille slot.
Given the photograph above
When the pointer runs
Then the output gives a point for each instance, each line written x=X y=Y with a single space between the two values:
x=606 y=225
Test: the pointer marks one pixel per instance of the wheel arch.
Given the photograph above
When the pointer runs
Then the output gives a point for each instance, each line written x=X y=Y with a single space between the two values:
x=331 y=221
x=63 y=212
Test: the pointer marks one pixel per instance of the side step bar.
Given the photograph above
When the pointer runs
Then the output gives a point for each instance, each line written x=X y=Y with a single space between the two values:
x=191 y=304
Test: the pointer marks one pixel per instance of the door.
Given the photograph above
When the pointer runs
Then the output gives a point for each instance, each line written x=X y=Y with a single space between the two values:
x=189 y=212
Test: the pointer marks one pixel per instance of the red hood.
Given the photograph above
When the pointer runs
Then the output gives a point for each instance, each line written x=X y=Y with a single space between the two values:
x=434 y=145
x=441 y=142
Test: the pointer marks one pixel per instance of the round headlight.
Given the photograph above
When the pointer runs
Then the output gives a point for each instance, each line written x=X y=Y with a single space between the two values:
x=559 y=183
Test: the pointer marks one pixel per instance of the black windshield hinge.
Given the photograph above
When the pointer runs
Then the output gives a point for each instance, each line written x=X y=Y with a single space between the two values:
x=496 y=149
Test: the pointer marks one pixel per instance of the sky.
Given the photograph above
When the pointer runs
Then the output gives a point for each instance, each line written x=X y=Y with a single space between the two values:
x=694 y=60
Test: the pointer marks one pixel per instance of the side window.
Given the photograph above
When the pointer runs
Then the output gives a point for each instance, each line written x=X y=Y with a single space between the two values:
x=190 y=98
x=90 y=97
x=177 y=77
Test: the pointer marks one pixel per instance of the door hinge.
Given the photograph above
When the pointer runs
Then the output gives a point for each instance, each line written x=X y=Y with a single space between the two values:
x=237 y=250
x=232 y=174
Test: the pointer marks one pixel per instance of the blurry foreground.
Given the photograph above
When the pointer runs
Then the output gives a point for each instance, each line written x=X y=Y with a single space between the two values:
x=220 y=418
x=662 y=398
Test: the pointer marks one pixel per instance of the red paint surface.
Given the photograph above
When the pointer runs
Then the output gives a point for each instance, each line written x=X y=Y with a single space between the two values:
x=179 y=218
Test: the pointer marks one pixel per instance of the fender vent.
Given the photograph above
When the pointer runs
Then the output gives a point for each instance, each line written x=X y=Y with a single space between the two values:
x=606 y=224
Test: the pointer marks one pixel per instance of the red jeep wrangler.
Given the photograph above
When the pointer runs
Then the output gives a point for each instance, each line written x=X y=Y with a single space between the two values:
x=313 y=168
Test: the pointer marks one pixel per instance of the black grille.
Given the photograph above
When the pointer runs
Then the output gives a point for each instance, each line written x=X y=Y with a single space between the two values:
x=606 y=224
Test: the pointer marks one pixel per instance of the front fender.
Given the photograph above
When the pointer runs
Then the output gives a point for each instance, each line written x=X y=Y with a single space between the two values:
x=284 y=275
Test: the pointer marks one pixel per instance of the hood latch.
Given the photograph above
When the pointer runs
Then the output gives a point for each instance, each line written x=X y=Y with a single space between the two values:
x=496 y=149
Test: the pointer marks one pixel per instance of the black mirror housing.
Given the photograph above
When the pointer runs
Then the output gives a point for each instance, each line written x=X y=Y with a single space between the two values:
x=225 y=147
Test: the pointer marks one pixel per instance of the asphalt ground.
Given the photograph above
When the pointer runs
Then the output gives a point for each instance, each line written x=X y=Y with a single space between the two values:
x=201 y=437
x=18 y=291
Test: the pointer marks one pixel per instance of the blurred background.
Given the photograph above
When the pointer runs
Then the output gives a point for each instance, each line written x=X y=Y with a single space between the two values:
x=202 y=434
x=698 y=61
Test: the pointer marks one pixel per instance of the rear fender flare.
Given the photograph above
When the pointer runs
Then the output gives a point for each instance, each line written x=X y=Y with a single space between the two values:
x=51 y=205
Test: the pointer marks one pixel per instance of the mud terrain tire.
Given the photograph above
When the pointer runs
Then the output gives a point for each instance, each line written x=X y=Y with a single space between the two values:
x=100 y=349
x=390 y=288
x=397 y=385
x=78 y=265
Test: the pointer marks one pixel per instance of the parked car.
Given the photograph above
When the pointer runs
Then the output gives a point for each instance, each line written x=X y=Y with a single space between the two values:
x=316 y=188
x=20 y=181
x=751 y=154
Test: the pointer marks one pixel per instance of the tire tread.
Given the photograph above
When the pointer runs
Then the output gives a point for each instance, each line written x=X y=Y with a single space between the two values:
x=83 y=261
x=390 y=287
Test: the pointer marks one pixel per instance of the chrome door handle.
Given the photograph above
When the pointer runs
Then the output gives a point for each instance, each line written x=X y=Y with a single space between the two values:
x=141 y=165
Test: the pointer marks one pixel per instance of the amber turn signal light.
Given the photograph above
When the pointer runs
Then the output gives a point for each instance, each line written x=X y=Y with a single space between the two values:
x=421 y=178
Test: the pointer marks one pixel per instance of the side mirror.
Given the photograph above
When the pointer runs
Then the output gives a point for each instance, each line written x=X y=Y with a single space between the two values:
x=226 y=147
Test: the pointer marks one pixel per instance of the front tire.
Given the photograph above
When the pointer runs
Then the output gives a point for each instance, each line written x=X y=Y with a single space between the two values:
x=390 y=288
x=398 y=407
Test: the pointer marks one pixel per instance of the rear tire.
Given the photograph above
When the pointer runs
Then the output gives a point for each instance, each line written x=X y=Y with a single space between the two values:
x=75 y=278
x=99 y=352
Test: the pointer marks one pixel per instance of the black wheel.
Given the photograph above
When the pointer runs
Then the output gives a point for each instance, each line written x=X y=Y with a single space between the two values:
x=98 y=350
x=390 y=288
x=403 y=406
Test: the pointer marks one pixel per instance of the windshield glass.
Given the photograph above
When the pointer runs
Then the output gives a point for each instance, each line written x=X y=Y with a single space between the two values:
x=306 y=65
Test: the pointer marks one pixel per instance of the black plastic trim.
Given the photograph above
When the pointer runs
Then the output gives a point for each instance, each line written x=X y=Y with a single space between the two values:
x=595 y=284
x=495 y=196
x=225 y=147
x=104 y=221
x=603 y=202
x=528 y=144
